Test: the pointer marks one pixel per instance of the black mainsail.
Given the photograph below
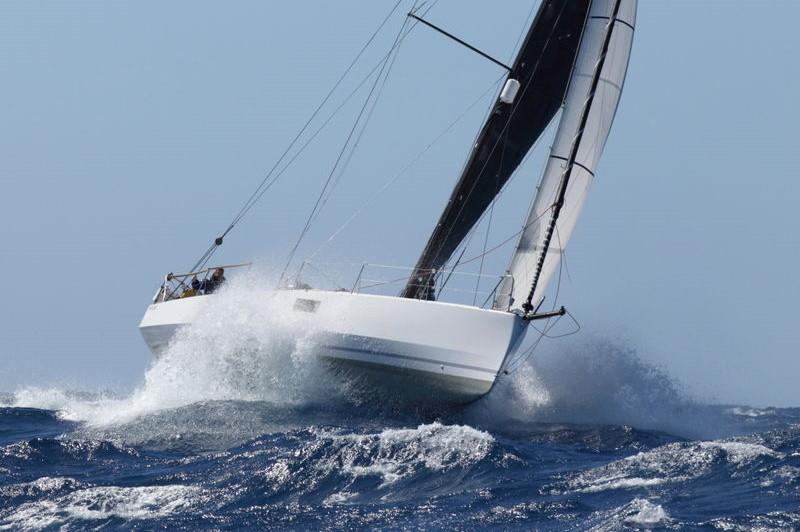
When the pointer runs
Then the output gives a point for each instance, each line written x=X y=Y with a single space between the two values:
x=542 y=68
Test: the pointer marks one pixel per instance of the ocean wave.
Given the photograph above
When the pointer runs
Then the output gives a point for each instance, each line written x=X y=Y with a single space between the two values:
x=677 y=462
x=336 y=467
x=395 y=453
x=636 y=514
x=360 y=472
x=54 y=449
x=104 y=504
x=750 y=412
x=39 y=487
x=772 y=521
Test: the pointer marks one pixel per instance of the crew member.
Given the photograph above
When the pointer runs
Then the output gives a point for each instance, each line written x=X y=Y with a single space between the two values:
x=208 y=286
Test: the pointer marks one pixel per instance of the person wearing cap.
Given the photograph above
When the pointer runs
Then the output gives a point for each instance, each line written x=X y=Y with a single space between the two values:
x=208 y=286
x=216 y=280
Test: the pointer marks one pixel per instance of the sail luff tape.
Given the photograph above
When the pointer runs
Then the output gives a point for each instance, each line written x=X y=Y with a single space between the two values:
x=510 y=90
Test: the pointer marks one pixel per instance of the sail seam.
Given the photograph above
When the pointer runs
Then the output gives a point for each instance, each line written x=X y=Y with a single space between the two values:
x=602 y=80
x=615 y=20
x=576 y=163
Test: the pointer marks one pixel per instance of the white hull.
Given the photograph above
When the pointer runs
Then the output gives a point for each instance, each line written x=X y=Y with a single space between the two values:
x=428 y=350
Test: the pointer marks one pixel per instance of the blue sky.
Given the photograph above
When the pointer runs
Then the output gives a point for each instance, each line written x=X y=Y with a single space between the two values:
x=132 y=132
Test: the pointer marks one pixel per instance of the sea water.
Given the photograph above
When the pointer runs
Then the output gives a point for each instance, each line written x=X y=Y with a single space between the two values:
x=239 y=426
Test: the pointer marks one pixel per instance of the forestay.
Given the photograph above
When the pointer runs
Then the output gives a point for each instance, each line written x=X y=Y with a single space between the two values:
x=598 y=118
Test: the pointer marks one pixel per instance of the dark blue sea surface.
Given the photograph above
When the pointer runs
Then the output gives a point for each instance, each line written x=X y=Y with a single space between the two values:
x=237 y=464
x=585 y=437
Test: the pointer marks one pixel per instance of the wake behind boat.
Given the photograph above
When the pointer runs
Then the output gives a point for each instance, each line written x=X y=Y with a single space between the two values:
x=572 y=63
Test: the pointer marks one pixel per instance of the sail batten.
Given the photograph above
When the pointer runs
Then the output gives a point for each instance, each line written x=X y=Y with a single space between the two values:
x=542 y=68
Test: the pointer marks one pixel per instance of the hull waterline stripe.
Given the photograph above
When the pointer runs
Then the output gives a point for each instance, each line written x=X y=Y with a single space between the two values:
x=407 y=357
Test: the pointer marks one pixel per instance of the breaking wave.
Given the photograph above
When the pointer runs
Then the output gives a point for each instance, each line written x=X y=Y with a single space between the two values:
x=104 y=504
x=241 y=348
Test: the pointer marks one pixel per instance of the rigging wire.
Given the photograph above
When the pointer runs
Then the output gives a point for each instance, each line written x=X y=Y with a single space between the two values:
x=385 y=57
x=327 y=121
x=514 y=364
x=527 y=155
x=393 y=53
x=500 y=244
x=394 y=50
x=489 y=220
x=511 y=179
x=427 y=148
x=528 y=22
x=406 y=168
x=264 y=185
x=317 y=203
x=468 y=237
x=451 y=272
x=483 y=253
x=470 y=234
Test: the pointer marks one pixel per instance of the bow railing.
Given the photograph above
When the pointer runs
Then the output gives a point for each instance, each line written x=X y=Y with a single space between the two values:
x=190 y=284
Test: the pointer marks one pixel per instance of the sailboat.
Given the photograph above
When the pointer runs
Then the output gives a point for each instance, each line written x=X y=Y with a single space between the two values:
x=570 y=67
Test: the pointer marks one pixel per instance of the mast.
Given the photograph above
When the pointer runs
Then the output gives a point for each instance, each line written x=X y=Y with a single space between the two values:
x=562 y=189
x=541 y=72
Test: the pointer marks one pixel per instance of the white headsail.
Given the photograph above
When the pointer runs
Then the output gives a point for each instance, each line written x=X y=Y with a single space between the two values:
x=586 y=144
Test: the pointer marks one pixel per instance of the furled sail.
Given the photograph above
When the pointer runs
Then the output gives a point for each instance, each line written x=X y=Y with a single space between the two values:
x=589 y=109
x=532 y=95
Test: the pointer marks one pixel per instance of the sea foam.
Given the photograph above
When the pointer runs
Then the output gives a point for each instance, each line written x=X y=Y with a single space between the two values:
x=242 y=347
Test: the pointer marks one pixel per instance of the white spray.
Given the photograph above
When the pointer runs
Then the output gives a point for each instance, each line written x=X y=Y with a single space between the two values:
x=242 y=347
